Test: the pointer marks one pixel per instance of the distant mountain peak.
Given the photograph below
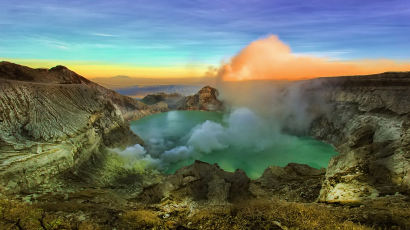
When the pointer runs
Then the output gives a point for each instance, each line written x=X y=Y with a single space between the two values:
x=122 y=77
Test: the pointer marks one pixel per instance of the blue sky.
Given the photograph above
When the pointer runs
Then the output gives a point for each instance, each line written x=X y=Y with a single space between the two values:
x=188 y=32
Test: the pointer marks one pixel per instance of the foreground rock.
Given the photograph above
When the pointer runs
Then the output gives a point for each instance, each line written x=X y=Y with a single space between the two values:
x=209 y=183
x=53 y=120
x=200 y=182
x=369 y=124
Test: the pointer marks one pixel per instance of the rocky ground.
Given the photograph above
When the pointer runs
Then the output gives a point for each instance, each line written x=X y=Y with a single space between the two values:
x=58 y=171
x=200 y=196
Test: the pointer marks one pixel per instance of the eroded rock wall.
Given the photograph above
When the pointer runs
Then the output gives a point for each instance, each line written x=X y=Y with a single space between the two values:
x=53 y=120
x=368 y=123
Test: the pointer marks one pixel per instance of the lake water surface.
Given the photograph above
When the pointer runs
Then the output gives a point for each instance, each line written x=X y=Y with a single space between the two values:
x=173 y=132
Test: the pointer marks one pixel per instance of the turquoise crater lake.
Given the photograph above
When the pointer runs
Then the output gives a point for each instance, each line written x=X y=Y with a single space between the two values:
x=178 y=138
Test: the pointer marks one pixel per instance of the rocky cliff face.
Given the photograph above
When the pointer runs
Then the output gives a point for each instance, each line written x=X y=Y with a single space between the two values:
x=368 y=122
x=53 y=120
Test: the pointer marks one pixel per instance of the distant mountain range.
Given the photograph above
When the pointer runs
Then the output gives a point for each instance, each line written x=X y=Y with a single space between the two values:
x=119 y=82
x=142 y=91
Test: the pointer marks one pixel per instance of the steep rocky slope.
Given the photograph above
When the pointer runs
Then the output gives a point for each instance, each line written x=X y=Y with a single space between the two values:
x=53 y=120
x=369 y=123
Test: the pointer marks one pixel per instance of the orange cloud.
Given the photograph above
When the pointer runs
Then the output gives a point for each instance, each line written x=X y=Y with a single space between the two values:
x=271 y=59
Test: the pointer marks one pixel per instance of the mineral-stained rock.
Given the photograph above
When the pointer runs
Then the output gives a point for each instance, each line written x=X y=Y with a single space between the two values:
x=369 y=125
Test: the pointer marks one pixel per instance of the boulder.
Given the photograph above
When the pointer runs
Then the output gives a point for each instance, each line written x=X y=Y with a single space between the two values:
x=294 y=182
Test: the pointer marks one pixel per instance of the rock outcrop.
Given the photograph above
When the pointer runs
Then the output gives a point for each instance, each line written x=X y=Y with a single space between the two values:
x=53 y=120
x=205 y=99
x=369 y=124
